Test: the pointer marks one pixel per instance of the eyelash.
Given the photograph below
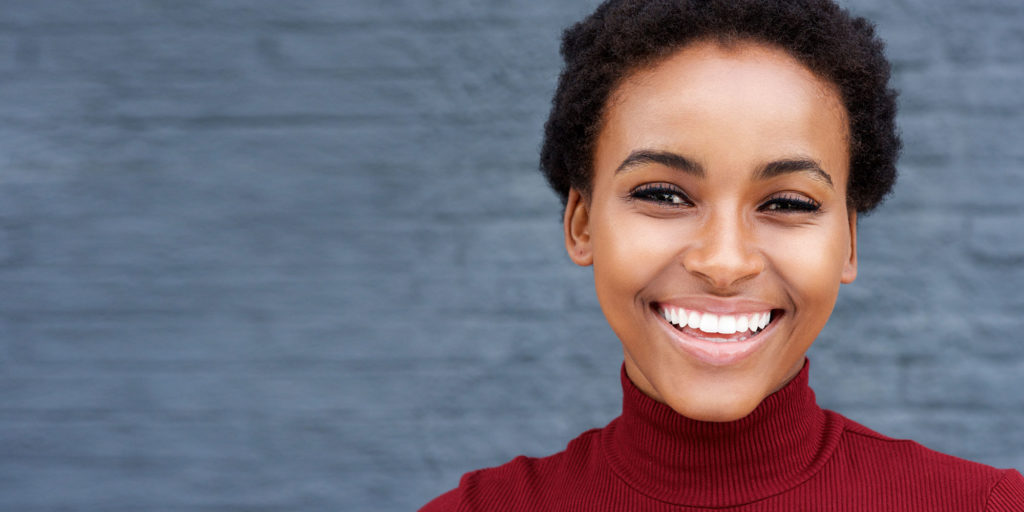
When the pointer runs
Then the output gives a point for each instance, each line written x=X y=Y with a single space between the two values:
x=792 y=203
x=659 y=194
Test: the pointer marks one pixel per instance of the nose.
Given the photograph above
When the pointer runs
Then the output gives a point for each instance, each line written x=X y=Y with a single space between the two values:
x=723 y=252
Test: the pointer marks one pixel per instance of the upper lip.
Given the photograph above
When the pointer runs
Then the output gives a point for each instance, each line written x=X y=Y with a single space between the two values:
x=718 y=306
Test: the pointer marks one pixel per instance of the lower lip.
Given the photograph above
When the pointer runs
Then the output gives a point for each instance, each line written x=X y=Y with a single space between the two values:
x=716 y=353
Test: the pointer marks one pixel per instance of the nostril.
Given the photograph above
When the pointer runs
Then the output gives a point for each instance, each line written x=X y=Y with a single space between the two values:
x=723 y=264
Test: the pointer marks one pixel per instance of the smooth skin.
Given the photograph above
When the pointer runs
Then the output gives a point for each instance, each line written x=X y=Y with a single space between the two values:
x=715 y=227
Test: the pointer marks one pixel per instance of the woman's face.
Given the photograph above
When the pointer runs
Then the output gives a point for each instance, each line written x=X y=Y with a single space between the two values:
x=718 y=203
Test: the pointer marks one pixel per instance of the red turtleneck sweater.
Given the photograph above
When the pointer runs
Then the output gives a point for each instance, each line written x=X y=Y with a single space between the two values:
x=788 y=454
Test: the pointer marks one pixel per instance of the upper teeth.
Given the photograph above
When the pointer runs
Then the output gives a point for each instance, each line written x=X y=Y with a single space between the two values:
x=720 y=324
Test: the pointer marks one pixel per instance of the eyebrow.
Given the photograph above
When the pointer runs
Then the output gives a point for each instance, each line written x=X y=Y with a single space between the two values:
x=668 y=159
x=681 y=163
x=780 y=167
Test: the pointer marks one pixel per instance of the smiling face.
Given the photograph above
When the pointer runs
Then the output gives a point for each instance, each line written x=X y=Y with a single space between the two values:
x=717 y=223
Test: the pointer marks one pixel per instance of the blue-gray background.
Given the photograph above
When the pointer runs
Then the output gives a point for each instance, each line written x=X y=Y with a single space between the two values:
x=267 y=255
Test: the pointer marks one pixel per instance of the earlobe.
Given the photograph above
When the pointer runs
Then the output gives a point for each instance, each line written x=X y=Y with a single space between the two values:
x=577 y=229
x=850 y=267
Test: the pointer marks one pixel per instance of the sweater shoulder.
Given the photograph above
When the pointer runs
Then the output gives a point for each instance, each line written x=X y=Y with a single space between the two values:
x=909 y=453
x=912 y=468
x=519 y=483
x=1008 y=494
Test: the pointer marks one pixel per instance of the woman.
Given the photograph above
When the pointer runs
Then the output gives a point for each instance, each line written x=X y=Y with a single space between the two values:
x=713 y=157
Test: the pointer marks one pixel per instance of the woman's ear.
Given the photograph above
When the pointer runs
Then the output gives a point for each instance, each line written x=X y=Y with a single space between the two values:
x=850 y=267
x=577 y=229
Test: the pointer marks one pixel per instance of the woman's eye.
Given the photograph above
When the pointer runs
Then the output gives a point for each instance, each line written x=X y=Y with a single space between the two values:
x=660 y=194
x=790 y=204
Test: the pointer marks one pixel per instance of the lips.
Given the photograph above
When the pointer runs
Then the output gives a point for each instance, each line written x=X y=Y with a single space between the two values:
x=710 y=323
x=724 y=337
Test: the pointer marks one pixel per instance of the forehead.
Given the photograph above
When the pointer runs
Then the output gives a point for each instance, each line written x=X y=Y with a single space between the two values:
x=710 y=100
x=741 y=67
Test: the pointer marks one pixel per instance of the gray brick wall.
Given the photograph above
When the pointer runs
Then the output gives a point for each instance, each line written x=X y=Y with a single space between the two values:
x=264 y=255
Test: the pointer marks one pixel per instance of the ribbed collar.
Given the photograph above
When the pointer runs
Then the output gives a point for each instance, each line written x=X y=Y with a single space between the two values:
x=672 y=458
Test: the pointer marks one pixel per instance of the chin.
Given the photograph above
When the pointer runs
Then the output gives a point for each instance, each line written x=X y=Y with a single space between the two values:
x=716 y=412
x=713 y=404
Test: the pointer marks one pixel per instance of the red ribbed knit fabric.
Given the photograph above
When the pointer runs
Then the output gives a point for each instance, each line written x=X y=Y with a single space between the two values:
x=787 y=455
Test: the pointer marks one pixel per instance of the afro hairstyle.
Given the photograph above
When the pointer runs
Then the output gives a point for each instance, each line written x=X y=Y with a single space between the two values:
x=623 y=36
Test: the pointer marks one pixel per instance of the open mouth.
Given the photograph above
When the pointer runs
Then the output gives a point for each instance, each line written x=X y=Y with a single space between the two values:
x=718 y=328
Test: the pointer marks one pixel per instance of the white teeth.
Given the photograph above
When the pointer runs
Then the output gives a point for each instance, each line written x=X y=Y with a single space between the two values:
x=754 y=323
x=726 y=324
x=741 y=323
x=716 y=324
x=693 y=320
x=709 y=323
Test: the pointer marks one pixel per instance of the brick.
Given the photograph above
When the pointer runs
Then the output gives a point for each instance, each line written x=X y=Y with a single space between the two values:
x=941 y=136
x=39 y=102
x=10 y=46
x=874 y=10
x=215 y=241
x=25 y=13
x=958 y=183
x=143 y=339
x=985 y=287
x=580 y=283
x=466 y=93
x=197 y=291
x=918 y=241
x=883 y=333
x=968 y=6
x=521 y=292
x=259 y=154
x=983 y=384
x=962 y=433
x=109 y=441
x=153 y=51
x=984 y=37
x=216 y=392
x=979 y=88
x=909 y=43
x=370 y=50
x=124 y=484
x=560 y=13
x=8 y=348
x=460 y=48
x=400 y=339
x=310 y=100
x=12 y=245
x=69 y=14
x=521 y=244
x=996 y=238
x=235 y=392
x=477 y=442
x=137 y=394
x=992 y=334
x=486 y=193
x=841 y=381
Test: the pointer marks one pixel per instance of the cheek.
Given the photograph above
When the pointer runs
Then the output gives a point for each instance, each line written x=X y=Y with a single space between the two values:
x=629 y=253
x=812 y=265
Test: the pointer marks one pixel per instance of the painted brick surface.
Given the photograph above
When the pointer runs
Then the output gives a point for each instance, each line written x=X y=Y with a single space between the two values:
x=263 y=255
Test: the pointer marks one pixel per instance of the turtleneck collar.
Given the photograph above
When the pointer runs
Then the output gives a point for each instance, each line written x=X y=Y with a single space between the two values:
x=675 y=459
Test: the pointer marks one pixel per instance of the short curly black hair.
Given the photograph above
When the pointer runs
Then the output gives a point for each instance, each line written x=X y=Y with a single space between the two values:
x=622 y=36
